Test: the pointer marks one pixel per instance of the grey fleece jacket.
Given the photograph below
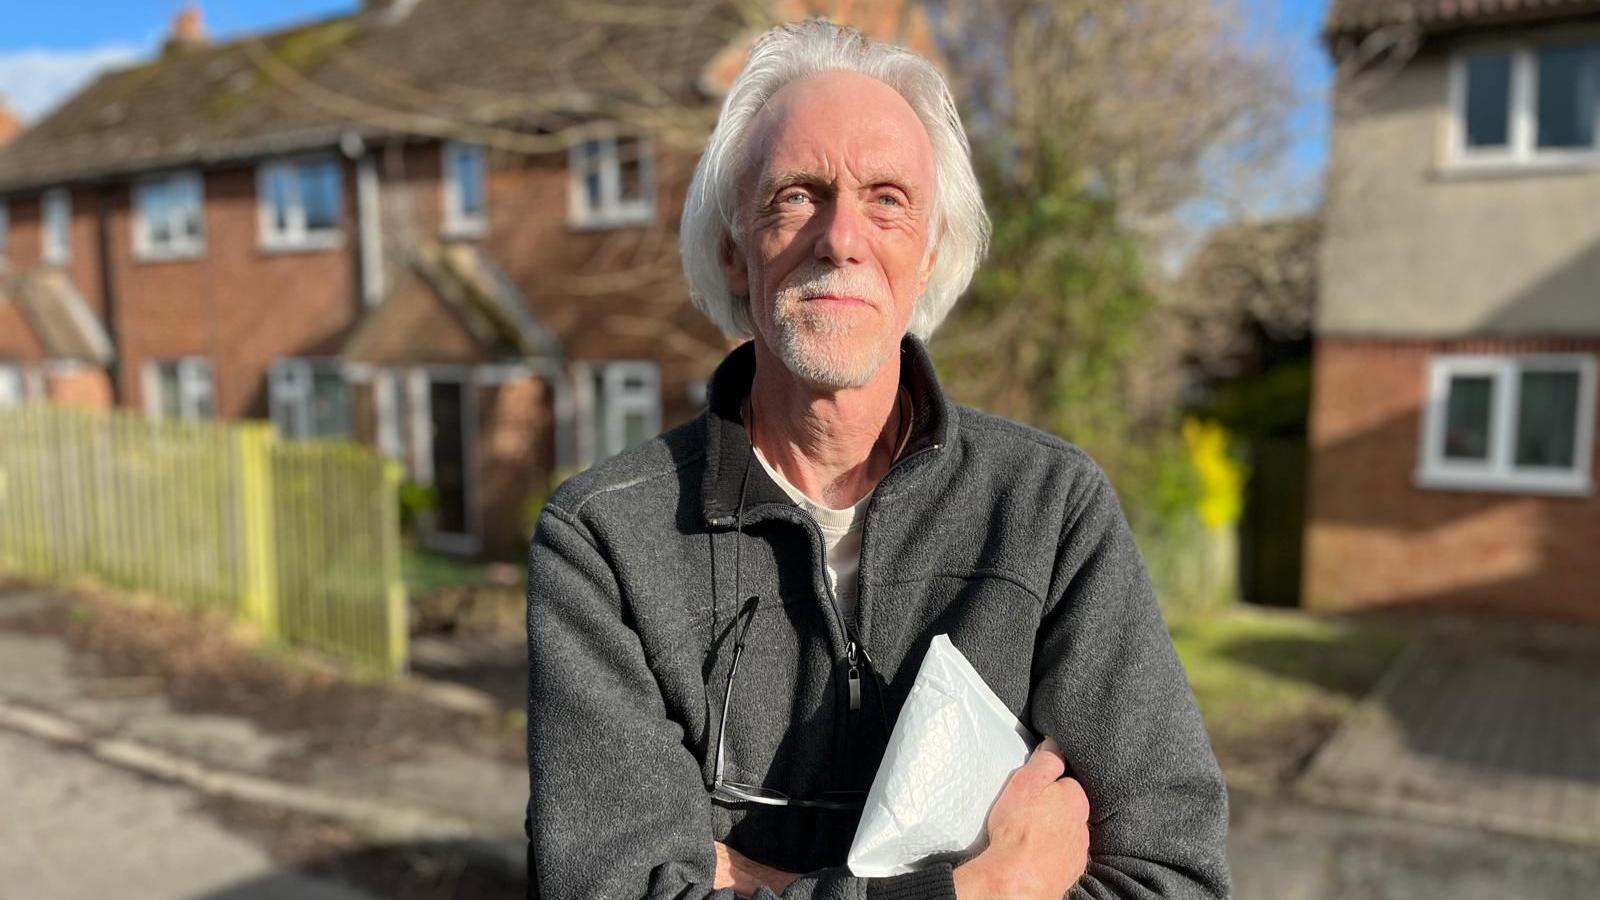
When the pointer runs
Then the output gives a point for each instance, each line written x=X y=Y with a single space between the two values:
x=1006 y=538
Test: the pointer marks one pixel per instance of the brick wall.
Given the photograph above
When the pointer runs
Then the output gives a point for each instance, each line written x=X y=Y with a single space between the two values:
x=82 y=387
x=1374 y=539
x=237 y=305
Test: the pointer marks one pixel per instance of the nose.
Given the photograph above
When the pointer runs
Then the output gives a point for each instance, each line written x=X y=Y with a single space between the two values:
x=841 y=241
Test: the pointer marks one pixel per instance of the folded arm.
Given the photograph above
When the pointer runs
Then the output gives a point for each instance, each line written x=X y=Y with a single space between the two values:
x=1108 y=686
x=617 y=807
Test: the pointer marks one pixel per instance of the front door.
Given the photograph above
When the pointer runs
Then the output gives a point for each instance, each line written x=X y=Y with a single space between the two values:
x=450 y=414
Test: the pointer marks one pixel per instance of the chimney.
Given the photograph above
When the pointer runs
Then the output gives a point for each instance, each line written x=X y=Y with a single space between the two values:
x=388 y=12
x=188 y=31
x=10 y=124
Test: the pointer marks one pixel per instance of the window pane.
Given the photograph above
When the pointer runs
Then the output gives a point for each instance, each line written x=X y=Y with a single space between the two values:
x=1466 y=421
x=630 y=170
x=330 y=404
x=187 y=195
x=200 y=392
x=319 y=190
x=58 y=219
x=469 y=181
x=171 y=397
x=278 y=198
x=635 y=429
x=157 y=215
x=204 y=406
x=1547 y=419
x=1566 y=96
x=1488 y=100
x=592 y=187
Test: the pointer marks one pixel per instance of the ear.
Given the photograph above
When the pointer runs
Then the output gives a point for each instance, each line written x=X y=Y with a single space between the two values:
x=735 y=268
x=925 y=271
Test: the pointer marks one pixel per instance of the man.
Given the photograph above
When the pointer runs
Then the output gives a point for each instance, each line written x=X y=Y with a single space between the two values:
x=724 y=622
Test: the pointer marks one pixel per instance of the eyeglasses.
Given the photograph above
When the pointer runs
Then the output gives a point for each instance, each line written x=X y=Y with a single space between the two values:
x=730 y=792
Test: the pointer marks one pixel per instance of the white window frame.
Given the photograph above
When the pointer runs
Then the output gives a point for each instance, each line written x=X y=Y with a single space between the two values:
x=191 y=188
x=619 y=403
x=14 y=387
x=290 y=384
x=457 y=223
x=612 y=212
x=196 y=383
x=57 y=220
x=1498 y=472
x=295 y=235
x=1521 y=150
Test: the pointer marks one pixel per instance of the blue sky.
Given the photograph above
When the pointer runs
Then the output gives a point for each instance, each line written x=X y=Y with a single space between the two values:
x=49 y=49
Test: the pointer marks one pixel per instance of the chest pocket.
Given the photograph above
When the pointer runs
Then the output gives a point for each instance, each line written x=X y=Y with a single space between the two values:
x=991 y=617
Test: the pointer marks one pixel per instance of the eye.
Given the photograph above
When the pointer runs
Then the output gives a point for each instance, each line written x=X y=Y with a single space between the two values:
x=888 y=200
x=789 y=199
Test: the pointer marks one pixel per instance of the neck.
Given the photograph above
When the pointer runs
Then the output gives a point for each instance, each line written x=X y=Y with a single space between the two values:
x=834 y=445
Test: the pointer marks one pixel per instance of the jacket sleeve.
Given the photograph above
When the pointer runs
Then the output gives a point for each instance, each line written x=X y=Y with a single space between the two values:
x=617 y=807
x=1108 y=686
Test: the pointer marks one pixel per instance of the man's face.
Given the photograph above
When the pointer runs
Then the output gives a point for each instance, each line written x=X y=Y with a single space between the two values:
x=835 y=199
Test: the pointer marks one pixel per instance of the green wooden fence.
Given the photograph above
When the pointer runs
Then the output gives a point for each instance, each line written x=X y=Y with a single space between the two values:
x=301 y=539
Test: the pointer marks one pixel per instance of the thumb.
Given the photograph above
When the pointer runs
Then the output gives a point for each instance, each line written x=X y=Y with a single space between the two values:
x=1048 y=760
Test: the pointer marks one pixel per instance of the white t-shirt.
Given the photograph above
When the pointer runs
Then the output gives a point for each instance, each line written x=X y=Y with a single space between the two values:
x=841 y=528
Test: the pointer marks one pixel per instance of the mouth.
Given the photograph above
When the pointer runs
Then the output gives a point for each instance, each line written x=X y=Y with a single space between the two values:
x=838 y=300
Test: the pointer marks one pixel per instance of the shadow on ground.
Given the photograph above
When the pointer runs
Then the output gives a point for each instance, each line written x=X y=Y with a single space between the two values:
x=421 y=871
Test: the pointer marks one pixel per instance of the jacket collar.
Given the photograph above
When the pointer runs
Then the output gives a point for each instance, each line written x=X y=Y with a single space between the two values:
x=728 y=443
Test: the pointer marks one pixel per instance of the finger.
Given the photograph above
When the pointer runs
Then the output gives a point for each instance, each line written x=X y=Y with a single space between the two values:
x=1048 y=760
x=1069 y=792
x=1037 y=772
x=724 y=877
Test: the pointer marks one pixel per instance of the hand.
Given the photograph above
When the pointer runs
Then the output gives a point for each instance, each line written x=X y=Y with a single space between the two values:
x=745 y=875
x=1038 y=835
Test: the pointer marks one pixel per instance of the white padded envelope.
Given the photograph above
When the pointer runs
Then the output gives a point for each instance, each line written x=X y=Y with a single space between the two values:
x=951 y=751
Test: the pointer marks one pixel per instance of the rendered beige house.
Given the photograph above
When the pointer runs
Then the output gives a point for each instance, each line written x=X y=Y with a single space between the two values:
x=1458 y=327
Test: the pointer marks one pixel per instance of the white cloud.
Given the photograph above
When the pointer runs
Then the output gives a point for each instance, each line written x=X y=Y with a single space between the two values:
x=34 y=81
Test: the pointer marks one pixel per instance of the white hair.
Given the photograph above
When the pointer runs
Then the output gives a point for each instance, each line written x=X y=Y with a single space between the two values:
x=958 y=226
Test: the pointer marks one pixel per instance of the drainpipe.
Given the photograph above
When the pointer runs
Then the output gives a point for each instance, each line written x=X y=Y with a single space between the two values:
x=371 y=236
x=108 y=288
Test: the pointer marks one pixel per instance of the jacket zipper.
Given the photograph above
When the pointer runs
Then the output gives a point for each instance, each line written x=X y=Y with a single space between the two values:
x=855 y=653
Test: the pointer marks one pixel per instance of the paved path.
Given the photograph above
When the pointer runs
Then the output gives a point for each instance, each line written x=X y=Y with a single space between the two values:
x=1282 y=850
x=72 y=828
x=1484 y=724
x=438 y=779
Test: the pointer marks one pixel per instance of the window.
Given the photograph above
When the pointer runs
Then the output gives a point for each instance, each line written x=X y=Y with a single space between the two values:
x=300 y=203
x=1511 y=423
x=619 y=407
x=1488 y=110
x=310 y=399
x=167 y=217
x=465 y=170
x=57 y=226
x=1527 y=103
x=179 y=390
x=612 y=182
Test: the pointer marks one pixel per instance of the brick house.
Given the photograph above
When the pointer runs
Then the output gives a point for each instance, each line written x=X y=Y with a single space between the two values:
x=398 y=226
x=1458 y=327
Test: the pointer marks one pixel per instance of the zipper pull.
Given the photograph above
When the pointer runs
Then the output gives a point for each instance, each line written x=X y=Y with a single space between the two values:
x=854 y=677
